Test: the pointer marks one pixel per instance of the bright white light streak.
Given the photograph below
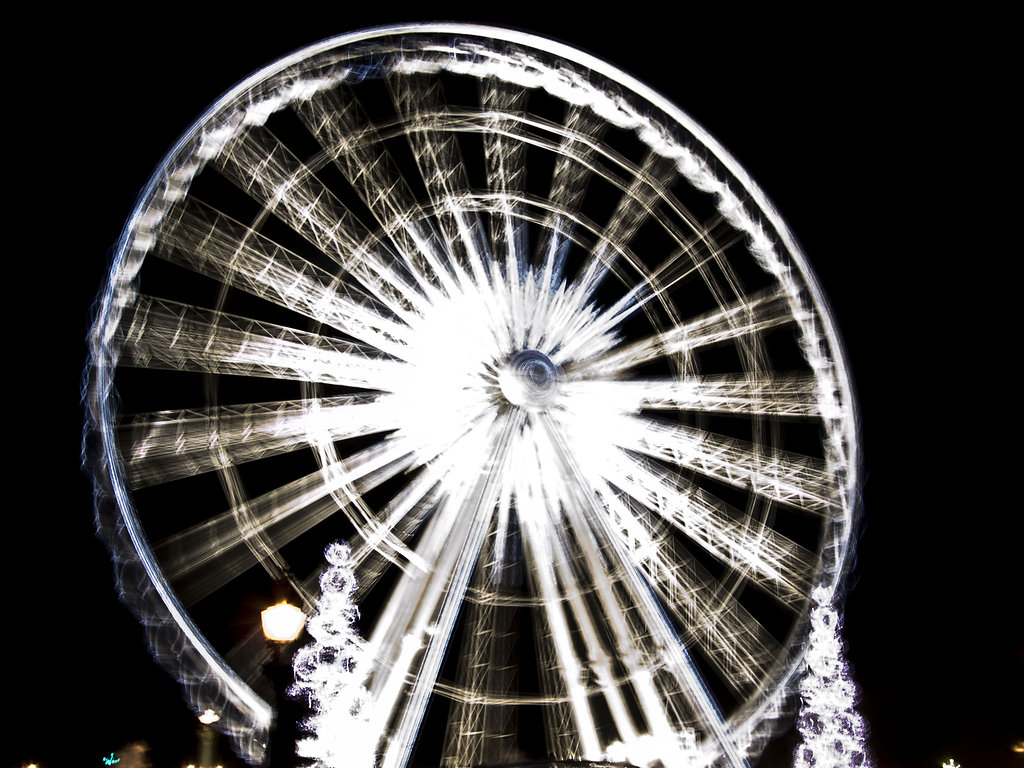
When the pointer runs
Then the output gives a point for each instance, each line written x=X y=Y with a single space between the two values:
x=538 y=540
x=258 y=163
x=424 y=606
x=278 y=516
x=759 y=552
x=211 y=244
x=166 y=334
x=747 y=316
x=786 y=477
x=791 y=396
x=738 y=646
x=674 y=656
x=168 y=445
x=474 y=504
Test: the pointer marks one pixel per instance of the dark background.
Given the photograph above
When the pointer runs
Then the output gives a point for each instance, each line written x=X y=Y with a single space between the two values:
x=870 y=134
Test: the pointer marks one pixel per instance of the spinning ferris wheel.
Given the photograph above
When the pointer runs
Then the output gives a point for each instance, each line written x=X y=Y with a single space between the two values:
x=528 y=339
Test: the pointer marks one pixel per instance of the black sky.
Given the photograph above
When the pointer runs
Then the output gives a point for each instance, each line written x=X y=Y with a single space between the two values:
x=846 y=122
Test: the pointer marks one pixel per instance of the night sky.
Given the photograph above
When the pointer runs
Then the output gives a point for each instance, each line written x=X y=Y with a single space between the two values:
x=852 y=126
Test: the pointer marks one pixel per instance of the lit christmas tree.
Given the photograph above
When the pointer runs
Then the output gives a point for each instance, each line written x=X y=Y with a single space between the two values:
x=833 y=732
x=329 y=672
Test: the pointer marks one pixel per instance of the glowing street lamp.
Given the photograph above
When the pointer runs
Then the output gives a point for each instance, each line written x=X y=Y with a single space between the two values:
x=282 y=623
x=209 y=717
x=207 y=739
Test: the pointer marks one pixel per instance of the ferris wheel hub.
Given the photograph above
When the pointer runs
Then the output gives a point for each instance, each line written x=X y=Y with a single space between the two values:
x=529 y=379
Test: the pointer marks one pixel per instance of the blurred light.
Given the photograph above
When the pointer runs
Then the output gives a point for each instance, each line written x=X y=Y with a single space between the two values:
x=209 y=716
x=283 y=622
x=1018 y=747
x=951 y=764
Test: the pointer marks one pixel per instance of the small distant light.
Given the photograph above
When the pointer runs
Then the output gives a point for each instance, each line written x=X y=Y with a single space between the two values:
x=951 y=764
x=209 y=717
x=283 y=622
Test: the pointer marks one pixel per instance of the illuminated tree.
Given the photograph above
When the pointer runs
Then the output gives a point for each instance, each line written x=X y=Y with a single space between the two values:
x=329 y=670
x=832 y=730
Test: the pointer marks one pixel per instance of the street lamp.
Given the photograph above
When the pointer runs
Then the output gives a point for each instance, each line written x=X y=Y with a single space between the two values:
x=282 y=624
x=207 y=739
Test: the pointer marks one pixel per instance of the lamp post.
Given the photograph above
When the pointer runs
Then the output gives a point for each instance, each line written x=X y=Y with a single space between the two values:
x=207 y=737
x=282 y=624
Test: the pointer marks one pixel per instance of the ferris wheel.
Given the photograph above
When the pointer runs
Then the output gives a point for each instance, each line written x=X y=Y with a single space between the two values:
x=522 y=334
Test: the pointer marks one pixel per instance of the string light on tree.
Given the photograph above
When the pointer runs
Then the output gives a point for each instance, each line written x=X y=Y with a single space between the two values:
x=833 y=732
x=330 y=672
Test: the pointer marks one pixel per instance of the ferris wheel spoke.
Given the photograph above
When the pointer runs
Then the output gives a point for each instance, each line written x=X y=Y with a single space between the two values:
x=266 y=170
x=168 y=445
x=747 y=316
x=736 y=644
x=601 y=543
x=730 y=637
x=340 y=124
x=503 y=105
x=578 y=137
x=445 y=467
x=765 y=556
x=425 y=604
x=505 y=150
x=383 y=543
x=766 y=395
x=481 y=723
x=272 y=520
x=640 y=197
x=163 y=334
x=799 y=481
x=577 y=550
x=700 y=248
x=539 y=547
x=420 y=101
x=206 y=241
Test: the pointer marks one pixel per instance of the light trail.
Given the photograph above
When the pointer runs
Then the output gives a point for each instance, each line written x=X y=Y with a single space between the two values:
x=278 y=517
x=790 y=396
x=170 y=335
x=745 y=317
x=796 y=480
x=211 y=244
x=169 y=445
